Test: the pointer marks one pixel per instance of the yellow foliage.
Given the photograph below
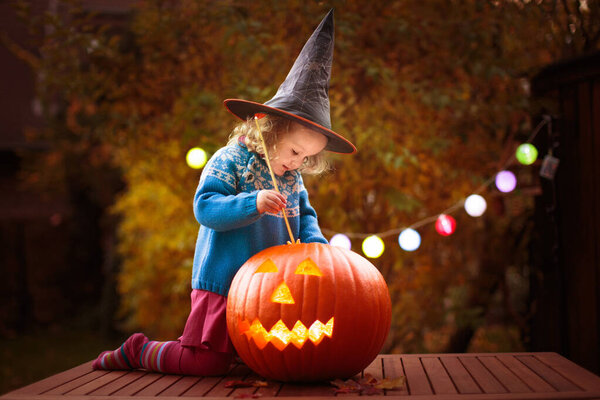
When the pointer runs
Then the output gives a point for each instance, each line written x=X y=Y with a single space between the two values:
x=429 y=91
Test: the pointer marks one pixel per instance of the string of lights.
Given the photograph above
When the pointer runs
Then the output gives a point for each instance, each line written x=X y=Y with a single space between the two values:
x=474 y=204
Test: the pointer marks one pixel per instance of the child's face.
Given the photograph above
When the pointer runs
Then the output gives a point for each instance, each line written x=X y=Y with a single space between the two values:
x=294 y=146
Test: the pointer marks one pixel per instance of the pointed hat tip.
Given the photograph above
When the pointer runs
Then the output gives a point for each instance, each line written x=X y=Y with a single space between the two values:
x=327 y=22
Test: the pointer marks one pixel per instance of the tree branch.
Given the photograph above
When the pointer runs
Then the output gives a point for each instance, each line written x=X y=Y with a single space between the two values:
x=19 y=51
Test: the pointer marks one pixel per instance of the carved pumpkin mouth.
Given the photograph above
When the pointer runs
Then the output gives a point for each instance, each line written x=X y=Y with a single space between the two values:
x=280 y=335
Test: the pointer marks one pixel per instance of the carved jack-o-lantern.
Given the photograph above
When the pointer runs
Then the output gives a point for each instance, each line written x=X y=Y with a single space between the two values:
x=307 y=312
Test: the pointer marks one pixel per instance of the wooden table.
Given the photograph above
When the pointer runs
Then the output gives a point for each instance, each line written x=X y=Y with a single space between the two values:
x=428 y=376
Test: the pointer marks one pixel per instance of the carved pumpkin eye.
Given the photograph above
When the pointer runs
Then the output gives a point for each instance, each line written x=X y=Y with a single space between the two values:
x=267 y=266
x=308 y=267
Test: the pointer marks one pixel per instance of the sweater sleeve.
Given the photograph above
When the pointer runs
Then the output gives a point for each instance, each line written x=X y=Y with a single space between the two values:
x=217 y=205
x=309 y=226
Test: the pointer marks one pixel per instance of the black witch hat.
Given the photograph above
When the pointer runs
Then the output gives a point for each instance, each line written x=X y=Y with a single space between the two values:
x=304 y=95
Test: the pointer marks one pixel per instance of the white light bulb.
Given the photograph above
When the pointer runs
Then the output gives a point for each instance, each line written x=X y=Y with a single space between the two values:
x=475 y=205
x=409 y=240
x=340 y=240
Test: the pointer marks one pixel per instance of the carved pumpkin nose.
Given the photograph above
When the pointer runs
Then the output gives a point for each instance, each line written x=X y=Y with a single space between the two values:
x=282 y=295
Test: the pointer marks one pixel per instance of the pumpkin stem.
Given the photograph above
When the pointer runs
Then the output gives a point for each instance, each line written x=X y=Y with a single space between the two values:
x=284 y=212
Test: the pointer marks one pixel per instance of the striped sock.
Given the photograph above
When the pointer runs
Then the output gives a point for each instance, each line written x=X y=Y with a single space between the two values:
x=153 y=356
x=125 y=357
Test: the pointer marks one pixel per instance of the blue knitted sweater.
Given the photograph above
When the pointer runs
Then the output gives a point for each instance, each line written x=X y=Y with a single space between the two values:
x=231 y=228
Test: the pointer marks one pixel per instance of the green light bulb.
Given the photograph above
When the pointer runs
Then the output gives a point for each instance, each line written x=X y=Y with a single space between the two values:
x=526 y=154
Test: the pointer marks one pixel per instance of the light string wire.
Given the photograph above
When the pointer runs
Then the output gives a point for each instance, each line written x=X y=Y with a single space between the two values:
x=284 y=211
x=546 y=120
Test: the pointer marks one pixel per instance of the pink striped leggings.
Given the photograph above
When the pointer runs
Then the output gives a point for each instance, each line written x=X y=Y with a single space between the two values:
x=166 y=357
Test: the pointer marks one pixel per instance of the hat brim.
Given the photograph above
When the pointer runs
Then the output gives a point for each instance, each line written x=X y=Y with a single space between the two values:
x=245 y=109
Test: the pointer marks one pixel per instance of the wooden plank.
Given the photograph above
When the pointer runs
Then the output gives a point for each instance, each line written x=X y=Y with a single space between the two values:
x=270 y=391
x=573 y=372
x=216 y=383
x=75 y=383
x=243 y=392
x=482 y=376
x=126 y=380
x=122 y=378
x=392 y=369
x=248 y=391
x=118 y=384
x=203 y=386
x=504 y=396
x=548 y=374
x=138 y=384
x=181 y=386
x=535 y=370
x=438 y=377
x=531 y=379
x=344 y=394
x=509 y=380
x=194 y=385
x=375 y=369
x=94 y=384
x=238 y=373
x=416 y=378
x=53 y=381
x=306 y=390
x=159 y=385
x=464 y=382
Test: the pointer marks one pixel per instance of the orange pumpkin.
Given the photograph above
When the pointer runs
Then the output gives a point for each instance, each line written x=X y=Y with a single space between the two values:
x=308 y=312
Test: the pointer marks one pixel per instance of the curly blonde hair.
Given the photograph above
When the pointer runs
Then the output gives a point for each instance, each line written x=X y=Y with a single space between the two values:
x=271 y=127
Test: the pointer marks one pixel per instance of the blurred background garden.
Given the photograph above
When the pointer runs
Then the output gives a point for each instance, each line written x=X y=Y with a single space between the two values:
x=102 y=100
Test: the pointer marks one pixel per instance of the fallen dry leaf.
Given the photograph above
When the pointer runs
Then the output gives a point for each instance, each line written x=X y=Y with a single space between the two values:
x=368 y=385
x=348 y=386
x=391 y=384
x=245 y=384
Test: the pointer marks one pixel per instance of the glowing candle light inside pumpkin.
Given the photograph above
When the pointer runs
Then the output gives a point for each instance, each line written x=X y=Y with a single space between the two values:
x=196 y=158
x=445 y=225
x=282 y=295
x=526 y=154
x=506 y=181
x=475 y=205
x=280 y=336
x=373 y=246
x=341 y=240
x=409 y=240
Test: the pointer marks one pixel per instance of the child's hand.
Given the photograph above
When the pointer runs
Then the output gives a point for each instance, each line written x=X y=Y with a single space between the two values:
x=270 y=201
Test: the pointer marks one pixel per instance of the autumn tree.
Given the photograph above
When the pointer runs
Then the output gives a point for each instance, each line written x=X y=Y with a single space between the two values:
x=433 y=93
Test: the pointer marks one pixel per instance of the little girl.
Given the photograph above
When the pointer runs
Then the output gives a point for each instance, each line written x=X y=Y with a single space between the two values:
x=240 y=210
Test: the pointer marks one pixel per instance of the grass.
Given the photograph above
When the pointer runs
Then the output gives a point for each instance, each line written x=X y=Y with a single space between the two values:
x=45 y=352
